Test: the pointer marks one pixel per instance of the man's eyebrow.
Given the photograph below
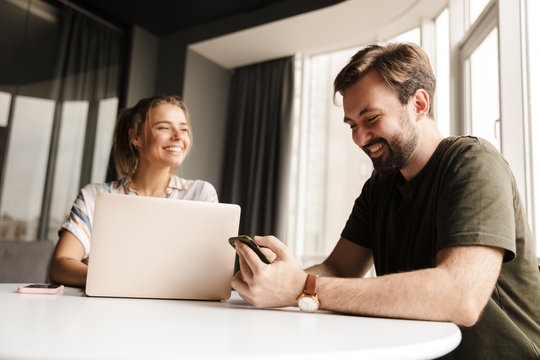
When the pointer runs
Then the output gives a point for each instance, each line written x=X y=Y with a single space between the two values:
x=365 y=110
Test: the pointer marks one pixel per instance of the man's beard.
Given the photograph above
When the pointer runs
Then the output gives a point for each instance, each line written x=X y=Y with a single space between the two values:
x=399 y=149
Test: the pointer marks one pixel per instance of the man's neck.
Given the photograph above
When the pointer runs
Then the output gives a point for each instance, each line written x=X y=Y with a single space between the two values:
x=429 y=139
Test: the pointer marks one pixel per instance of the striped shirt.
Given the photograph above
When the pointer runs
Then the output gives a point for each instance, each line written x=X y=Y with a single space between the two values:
x=81 y=217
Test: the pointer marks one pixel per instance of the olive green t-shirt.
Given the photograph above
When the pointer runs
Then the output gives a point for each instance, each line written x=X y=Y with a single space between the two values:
x=465 y=195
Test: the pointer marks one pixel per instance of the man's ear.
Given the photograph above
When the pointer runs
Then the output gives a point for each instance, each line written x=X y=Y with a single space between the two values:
x=420 y=101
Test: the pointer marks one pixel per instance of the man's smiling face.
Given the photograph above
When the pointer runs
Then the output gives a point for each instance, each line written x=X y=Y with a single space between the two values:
x=381 y=125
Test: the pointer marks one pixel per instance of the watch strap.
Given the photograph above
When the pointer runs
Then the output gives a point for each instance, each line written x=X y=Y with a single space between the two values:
x=311 y=284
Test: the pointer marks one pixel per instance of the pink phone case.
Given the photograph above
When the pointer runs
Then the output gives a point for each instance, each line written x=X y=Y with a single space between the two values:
x=34 y=290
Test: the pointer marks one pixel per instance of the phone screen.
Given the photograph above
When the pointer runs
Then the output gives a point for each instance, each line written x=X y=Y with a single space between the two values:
x=252 y=244
x=42 y=286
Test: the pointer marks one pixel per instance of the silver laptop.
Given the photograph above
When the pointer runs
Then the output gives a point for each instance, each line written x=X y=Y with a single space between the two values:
x=161 y=248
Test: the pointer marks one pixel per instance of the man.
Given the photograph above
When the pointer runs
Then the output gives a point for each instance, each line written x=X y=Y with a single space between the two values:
x=441 y=219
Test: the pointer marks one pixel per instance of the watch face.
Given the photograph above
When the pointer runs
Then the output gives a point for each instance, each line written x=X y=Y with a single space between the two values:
x=308 y=303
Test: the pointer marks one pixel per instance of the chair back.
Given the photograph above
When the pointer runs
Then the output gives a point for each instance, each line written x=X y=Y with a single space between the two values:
x=25 y=261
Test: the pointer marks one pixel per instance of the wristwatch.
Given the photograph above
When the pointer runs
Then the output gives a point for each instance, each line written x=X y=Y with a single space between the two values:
x=308 y=300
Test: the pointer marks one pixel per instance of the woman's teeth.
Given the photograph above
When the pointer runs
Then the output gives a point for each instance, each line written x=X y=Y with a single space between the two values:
x=174 y=149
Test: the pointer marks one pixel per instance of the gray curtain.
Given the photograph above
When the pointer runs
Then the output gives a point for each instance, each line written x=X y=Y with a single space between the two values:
x=258 y=129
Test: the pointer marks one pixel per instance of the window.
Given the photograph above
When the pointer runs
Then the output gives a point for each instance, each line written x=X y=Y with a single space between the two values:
x=55 y=126
x=5 y=102
x=68 y=163
x=475 y=9
x=411 y=36
x=26 y=166
x=479 y=57
x=329 y=169
x=484 y=90
x=442 y=73
x=494 y=54
x=108 y=109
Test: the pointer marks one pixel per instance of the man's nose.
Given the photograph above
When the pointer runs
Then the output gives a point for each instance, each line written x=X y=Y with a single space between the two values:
x=362 y=136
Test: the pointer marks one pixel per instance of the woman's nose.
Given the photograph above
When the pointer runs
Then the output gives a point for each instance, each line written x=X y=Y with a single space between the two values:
x=175 y=133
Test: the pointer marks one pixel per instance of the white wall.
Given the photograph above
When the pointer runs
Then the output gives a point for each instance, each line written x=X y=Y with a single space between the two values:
x=206 y=89
x=142 y=67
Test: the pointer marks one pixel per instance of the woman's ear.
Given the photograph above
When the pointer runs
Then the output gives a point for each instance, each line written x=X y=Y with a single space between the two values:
x=421 y=103
x=134 y=139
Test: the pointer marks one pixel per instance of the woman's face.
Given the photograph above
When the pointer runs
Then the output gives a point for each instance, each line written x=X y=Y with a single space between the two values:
x=169 y=137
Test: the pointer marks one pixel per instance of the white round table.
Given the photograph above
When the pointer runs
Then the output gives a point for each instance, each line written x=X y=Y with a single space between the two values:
x=74 y=326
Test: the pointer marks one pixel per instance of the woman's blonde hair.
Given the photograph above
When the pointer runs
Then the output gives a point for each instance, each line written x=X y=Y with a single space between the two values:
x=136 y=118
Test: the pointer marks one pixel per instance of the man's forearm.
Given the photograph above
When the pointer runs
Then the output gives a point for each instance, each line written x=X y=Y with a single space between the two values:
x=346 y=260
x=322 y=270
x=330 y=269
x=411 y=295
x=450 y=292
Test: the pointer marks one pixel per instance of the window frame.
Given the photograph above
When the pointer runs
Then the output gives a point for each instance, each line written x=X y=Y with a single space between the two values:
x=513 y=90
x=475 y=36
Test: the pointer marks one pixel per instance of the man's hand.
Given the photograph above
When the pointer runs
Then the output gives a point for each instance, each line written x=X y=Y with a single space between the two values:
x=268 y=285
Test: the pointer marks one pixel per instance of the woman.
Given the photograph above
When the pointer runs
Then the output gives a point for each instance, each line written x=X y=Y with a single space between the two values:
x=151 y=140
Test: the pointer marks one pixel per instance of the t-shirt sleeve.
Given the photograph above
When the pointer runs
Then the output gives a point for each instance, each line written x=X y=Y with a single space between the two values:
x=476 y=205
x=357 y=226
x=79 y=222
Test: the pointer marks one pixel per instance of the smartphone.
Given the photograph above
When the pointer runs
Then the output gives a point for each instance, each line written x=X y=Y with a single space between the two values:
x=41 y=289
x=252 y=244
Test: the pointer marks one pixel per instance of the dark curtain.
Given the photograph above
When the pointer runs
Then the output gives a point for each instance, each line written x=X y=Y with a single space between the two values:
x=258 y=128
x=52 y=51
x=89 y=67
x=89 y=59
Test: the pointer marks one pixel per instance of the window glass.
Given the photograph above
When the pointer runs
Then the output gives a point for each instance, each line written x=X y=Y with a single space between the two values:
x=442 y=73
x=533 y=28
x=315 y=145
x=106 y=121
x=348 y=167
x=5 y=100
x=26 y=165
x=411 y=36
x=68 y=163
x=484 y=76
x=332 y=169
x=475 y=9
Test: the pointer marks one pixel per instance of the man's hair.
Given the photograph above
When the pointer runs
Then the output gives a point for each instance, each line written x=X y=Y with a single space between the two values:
x=404 y=67
x=126 y=155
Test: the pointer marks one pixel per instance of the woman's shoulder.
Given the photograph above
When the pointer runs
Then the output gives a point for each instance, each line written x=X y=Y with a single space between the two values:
x=183 y=183
x=112 y=187
x=196 y=189
x=194 y=182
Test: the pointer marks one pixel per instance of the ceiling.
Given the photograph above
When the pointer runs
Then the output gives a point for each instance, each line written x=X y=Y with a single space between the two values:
x=234 y=33
x=165 y=17
x=344 y=25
